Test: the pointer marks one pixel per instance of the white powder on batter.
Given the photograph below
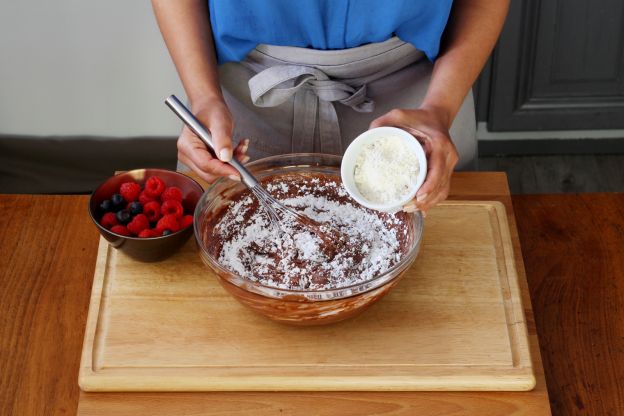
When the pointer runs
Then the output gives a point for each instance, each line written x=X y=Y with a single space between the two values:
x=255 y=250
x=386 y=170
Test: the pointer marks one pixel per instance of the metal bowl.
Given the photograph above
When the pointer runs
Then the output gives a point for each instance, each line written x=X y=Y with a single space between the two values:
x=154 y=248
x=305 y=307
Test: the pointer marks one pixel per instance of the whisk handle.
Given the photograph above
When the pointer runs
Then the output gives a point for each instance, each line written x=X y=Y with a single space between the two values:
x=202 y=132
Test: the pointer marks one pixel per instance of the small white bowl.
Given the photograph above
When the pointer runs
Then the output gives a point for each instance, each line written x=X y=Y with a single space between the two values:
x=349 y=159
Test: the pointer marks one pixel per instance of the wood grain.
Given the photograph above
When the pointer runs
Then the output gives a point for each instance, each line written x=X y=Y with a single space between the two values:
x=39 y=366
x=465 y=185
x=47 y=247
x=455 y=322
x=574 y=254
x=533 y=403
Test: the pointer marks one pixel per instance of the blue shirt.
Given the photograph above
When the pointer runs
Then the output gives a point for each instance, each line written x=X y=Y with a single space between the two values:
x=240 y=25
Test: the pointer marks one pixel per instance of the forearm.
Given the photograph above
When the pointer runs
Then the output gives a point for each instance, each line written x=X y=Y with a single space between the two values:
x=185 y=27
x=470 y=36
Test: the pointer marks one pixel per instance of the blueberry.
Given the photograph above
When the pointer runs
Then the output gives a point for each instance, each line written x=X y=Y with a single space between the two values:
x=106 y=206
x=123 y=216
x=166 y=232
x=135 y=208
x=118 y=202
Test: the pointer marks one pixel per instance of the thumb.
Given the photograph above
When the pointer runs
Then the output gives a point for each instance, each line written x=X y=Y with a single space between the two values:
x=391 y=118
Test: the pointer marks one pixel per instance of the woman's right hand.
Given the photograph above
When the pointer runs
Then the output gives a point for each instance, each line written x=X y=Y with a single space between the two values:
x=216 y=117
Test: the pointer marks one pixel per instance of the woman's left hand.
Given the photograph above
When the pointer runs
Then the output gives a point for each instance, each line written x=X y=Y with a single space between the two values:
x=431 y=128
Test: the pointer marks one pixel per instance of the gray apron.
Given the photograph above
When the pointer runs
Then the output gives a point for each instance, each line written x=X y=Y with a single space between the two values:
x=287 y=99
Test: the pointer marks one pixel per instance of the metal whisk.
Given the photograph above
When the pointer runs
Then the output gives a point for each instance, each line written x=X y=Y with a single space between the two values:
x=277 y=211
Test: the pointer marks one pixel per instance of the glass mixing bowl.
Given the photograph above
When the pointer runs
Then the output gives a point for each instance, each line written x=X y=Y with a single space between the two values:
x=297 y=307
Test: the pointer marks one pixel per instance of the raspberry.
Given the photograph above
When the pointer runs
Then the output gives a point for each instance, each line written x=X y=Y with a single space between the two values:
x=121 y=230
x=130 y=191
x=138 y=224
x=173 y=192
x=144 y=198
x=108 y=220
x=152 y=211
x=154 y=186
x=185 y=221
x=172 y=207
x=168 y=222
x=148 y=233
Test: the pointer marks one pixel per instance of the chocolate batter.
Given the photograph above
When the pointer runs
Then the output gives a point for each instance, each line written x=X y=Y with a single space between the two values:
x=293 y=257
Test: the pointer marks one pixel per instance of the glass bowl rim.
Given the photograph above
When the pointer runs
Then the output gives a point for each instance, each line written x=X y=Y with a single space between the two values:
x=313 y=295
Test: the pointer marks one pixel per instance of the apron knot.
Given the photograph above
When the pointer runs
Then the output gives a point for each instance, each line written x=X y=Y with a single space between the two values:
x=359 y=101
x=314 y=92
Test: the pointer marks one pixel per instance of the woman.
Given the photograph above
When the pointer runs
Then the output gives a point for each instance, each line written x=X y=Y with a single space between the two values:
x=310 y=75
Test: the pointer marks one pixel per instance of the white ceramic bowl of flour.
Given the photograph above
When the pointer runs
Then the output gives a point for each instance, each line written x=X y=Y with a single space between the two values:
x=383 y=168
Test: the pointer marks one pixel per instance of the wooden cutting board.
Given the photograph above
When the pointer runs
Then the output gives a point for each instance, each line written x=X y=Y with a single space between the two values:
x=455 y=322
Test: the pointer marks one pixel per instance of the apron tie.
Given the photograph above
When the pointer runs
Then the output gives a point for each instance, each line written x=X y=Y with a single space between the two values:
x=314 y=93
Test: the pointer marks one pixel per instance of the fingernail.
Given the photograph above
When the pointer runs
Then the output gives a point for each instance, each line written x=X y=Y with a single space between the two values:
x=424 y=214
x=410 y=204
x=234 y=178
x=245 y=159
x=421 y=197
x=225 y=154
x=410 y=208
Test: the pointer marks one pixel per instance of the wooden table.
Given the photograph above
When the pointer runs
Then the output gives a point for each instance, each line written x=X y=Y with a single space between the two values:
x=573 y=249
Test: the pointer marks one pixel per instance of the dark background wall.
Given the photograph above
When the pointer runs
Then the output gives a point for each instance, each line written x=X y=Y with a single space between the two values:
x=559 y=65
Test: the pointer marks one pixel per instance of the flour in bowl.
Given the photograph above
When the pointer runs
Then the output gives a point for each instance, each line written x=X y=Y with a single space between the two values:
x=297 y=259
x=386 y=170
